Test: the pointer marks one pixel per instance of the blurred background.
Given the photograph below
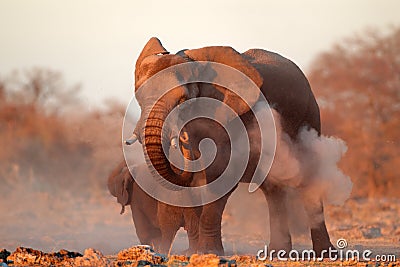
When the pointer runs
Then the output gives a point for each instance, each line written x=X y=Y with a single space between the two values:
x=66 y=78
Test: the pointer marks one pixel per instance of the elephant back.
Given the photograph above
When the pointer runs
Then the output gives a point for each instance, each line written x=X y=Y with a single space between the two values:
x=287 y=90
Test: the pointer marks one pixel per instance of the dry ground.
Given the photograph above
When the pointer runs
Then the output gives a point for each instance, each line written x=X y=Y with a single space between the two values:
x=372 y=224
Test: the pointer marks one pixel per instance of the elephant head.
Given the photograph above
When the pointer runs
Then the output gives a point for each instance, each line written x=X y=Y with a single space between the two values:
x=155 y=58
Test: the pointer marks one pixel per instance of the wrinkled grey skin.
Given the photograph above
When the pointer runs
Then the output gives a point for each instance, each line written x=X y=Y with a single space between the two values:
x=149 y=229
x=284 y=86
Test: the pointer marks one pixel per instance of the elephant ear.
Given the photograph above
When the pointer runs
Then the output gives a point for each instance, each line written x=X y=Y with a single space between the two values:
x=120 y=184
x=152 y=47
x=228 y=56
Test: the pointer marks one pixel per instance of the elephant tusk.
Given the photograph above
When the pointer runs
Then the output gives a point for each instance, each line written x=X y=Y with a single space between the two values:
x=174 y=142
x=131 y=140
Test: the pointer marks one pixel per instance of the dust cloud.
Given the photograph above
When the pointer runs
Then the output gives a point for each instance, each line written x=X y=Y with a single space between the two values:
x=307 y=166
x=311 y=162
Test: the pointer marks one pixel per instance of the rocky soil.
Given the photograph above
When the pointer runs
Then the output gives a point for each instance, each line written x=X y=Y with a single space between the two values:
x=145 y=256
x=364 y=223
x=372 y=224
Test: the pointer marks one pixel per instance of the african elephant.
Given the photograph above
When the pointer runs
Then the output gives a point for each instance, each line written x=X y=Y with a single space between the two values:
x=145 y=211
x=280 y=81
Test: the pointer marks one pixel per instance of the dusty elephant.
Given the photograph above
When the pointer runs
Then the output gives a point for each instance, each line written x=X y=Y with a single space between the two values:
x=145 y=211
x=284 y=86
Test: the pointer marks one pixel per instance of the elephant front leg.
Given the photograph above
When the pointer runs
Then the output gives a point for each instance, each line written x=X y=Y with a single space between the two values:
x=280 y=238
x=210 y=240
x=316 y=220
x=147 y=233
x=170 y=220
x=192 y=220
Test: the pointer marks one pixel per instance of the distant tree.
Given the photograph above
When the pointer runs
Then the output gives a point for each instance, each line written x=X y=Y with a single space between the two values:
x=51 y=145
x=357 y=84
x=43 y=88
x=33 y=132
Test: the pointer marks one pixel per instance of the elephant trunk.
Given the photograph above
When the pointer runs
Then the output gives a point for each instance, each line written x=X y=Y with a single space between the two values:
x=155 y=156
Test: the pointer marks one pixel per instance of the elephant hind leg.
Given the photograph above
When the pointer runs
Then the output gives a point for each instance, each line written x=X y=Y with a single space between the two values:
x=320 y=240
x=280 y=238
x=316 y=220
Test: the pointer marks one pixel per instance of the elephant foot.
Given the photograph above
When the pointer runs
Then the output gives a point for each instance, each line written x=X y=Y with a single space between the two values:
x=188 y=252
x=211 y=246
x=275 y=248
x=218 y=252
x=327 y=251
x=322 y=245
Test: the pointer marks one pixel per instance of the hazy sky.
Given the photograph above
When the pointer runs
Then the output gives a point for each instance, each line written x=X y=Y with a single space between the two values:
x=96 y=43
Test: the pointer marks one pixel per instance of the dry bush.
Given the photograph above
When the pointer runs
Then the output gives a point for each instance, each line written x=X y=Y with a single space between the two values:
x=357 y=83
x=53 y=146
